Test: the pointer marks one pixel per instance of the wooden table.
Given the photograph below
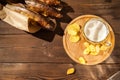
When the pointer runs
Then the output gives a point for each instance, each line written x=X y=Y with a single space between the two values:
x=41 y=56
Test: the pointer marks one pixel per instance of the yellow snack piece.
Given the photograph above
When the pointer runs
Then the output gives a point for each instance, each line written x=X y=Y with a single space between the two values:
x=86 y=51
x=75 y=38
x=73 y=29
x=92 y=48
x=97 y=47
x=94 y=53
x=72 y=32
x=86 y=44
x=82 y=60
x=103 y=47
x=70 y=71
x=76 y=26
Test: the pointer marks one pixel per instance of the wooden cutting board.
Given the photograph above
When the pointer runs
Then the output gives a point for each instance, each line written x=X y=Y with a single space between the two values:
x=75 y=50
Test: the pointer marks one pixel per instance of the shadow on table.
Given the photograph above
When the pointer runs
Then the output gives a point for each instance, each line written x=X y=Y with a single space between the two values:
x=108 y=0
x=49 y=35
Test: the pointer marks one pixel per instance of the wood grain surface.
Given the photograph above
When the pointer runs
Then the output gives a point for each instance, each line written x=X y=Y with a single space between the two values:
x=41 y=56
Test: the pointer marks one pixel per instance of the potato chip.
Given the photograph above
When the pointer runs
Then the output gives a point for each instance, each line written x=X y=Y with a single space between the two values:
x=103 y=47
x=82 y=60
x=76 y=26
x=86 y=51
x=94 y=53
x=97 y=47
x=86 y=44
x=72 y=32
x=75 y=38
x=70 y=71
x=73 y=29
x=92 y=48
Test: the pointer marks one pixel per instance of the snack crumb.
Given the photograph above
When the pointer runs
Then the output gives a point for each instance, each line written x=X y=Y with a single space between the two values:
x=70 y=71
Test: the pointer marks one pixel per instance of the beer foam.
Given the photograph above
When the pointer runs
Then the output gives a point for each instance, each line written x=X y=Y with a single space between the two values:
x=95 y=30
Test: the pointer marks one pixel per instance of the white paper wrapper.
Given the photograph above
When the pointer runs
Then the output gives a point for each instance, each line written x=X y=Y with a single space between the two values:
x=19 y=21
x=95 y=30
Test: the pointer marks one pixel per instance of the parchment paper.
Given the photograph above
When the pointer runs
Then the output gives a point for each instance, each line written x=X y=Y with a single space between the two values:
x=18 y=20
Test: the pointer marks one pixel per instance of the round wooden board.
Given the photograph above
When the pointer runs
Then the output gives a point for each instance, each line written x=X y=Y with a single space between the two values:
x=75 y=50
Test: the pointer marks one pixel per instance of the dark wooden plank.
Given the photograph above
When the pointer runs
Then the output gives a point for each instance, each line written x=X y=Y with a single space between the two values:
x=116 y=76
x=29 y=41
x=33 y=71
x=91 y=1
x=55 y=55
x=48 y=71
x=97 y=72
x=27 y=48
